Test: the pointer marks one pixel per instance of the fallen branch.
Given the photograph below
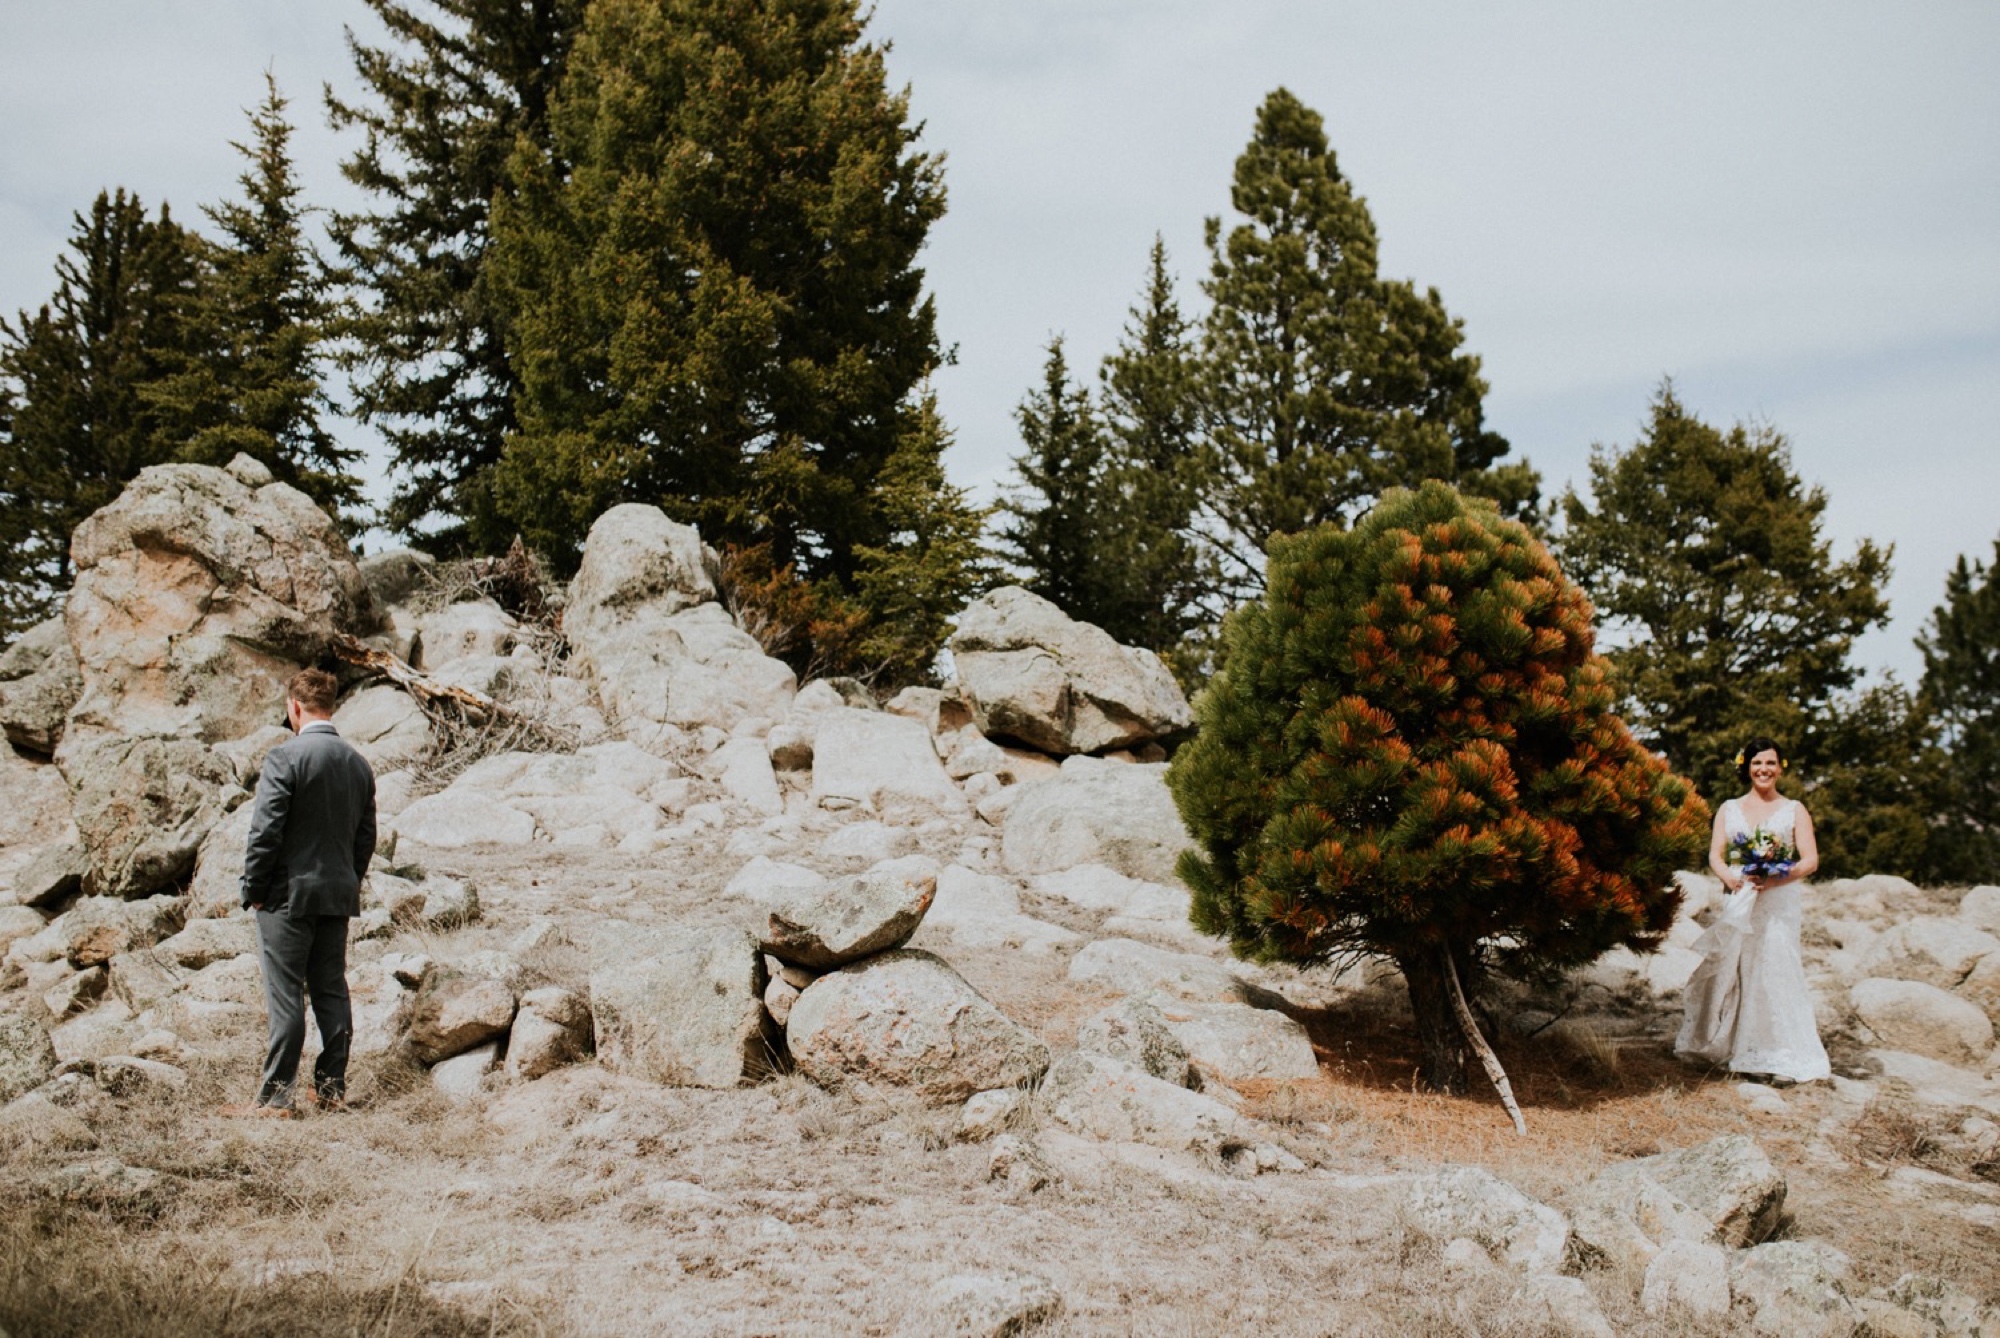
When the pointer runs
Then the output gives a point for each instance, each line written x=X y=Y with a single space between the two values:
x=458 y=704
x=1479 y=1046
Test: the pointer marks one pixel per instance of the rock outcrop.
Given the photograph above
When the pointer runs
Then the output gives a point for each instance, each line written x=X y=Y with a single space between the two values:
x=39 y=683
x=681 y=1006
x=1034 y=674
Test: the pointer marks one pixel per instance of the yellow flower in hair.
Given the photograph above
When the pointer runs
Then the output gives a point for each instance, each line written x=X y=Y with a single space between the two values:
x=1739 y=757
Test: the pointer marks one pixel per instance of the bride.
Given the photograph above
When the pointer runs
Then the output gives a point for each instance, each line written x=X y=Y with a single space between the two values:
x=1747 y=1003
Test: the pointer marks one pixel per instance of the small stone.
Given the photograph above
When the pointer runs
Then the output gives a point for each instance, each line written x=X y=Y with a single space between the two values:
x=552 y=1028
x=1133 y=1030
x=462 y=1077
x=987 y=1113
x=855 y=917
x=1688 y=1274
x=128 y=1075
x=75 y=992
x=1020 y=1163
x=779 y=996
x=453 y=1012
x=1466 y=1201
x=992 y=1305
x=449 y=903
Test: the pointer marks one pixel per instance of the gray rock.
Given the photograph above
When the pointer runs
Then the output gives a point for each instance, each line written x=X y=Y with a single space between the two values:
x=1688 y=1275
x=992 y=1304
x=75 y=992
x=53 y=876
x=1794 y=1288
x=1130 y=967
x=246 y=755
x=196 y=597
x=779 y=996
x=1134 y=1031
x=987 y=1113
x=143 y=805
x=19 y=922
x=1980 y=908
x=462 y=1077
x=27 y=1058
x=744 y=769
x=1236 y=1043
x=905 y=1020
x=643 y=625
x=39 y=683
x=202 y=943
x=1020 y=1163
x=96 y=929
x=1728 y=1181
x=396 y=574
x=476 y=627
x=34 y=804
x=855 y=917
x=128 y=1075
x=108 y=1183
x=1032 y=673
x=1563 y=1306
x=454 y=1011
x=880 y=762
x=1923 y=1020
x=1466 y=1201
x=1935 y=949
x=1108 y=1099
x=682 y=1006
x=143 y=978
x=551 y=1029
x=385 y=724
x=217 y=888
x=1096 y=812
x=1625 y=1217
x=449 y=903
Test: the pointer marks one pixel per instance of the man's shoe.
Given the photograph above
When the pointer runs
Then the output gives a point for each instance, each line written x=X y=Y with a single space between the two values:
x=246 y=1111
x=329 y=1104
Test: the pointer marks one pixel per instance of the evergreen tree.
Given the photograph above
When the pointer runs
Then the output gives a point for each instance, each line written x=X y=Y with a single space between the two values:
x=1322 y=384
x=1410 y=752
x=1151 y=562
x=461 y=81
x=1058 y=526
x=75 y=422
x=1875 y=787
x=710 y=280
x=935 y=561
x=1961 y=650
x=1703 y=549
x=248 y=377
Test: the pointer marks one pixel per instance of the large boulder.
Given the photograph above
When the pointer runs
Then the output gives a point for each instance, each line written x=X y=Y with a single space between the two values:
x=1034 y=674
x=905 y=1020
x=1923 y=1019
x=384 y=723
x=198 y=593
x=26 y=1056
x=644 y=625
x=1107 y=1098
x=39 y=684
x=551 y=1029
x=1797 y=1288
x=1135 y=1032
x=1097 y=812
x=1129 y=967
x=1465 y=1201
x=880 y=762
x=143 y=806
x=454 y=1012
x=34 y=803
x=1724 y=1191
x=1236 y=1043
x=855 y=917
x=683 y=1006
x=468 y=629
x=1938 y=950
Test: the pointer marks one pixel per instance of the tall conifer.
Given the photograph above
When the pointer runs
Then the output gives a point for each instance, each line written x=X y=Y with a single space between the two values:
x=457 y=84
x=75 y=421
x=248 y=377
x=1322 y=383
x=1059 y=522
x=1961 y=650
x=711 y=283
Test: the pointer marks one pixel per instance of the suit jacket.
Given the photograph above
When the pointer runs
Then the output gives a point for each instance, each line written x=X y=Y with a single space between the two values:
x=312 y=832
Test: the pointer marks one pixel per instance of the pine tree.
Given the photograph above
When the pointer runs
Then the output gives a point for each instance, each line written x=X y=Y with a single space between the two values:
x=710 y=280
x=1410 y=752
x=1961 y=686
x=461 y=81
x=934 y=562
x=75 y=423
x=1702 y=549
x=1058 y=526
x=1148 y=409
x=1322 y=384
x=248 y=377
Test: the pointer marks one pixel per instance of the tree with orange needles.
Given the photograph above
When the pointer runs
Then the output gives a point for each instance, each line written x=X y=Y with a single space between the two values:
x=1410 y=752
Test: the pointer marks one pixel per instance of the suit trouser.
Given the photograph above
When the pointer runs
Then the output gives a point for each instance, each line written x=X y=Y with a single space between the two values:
x=301 y=956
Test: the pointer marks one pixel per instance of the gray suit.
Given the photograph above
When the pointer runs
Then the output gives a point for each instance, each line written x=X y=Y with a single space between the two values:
x=312 y=834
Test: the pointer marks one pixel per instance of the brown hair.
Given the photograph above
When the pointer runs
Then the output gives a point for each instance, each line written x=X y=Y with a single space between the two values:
x=314 y=689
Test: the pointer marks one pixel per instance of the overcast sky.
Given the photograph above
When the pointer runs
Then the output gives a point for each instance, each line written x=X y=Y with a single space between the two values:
x=1791 y=209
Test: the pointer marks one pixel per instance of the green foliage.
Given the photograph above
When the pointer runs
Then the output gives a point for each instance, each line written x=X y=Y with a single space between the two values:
x=1411 y=751
x=709 y=280
x=1321 y=383
x=246 y=378
x=461 y=81
x=1059 y=524
x=1875 y=790
x=75 y=421
x=1961 y=685
x=933 y=564
x=1703 y=550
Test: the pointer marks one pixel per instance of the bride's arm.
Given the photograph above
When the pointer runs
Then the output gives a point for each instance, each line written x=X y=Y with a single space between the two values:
x=1717 y=842
x=1808 y=844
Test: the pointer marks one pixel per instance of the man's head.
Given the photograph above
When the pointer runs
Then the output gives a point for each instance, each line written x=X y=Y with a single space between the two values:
x=310 y=696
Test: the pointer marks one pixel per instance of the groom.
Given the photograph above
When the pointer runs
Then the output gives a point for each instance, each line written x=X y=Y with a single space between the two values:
x=312 y=834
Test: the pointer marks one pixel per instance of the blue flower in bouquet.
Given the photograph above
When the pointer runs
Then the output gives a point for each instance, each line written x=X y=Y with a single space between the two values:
x=1763 y=854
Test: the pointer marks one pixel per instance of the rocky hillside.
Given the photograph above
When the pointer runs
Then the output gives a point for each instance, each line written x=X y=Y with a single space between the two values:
x=690 y=999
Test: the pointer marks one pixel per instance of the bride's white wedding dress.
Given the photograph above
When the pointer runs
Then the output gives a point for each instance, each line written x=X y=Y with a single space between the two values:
x=1747 y=1004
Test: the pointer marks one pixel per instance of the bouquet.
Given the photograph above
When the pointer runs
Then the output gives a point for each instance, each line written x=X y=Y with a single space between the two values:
x=1763 y=854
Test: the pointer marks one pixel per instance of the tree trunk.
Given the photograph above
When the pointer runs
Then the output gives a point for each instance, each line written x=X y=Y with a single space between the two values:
x=1445 y=1057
